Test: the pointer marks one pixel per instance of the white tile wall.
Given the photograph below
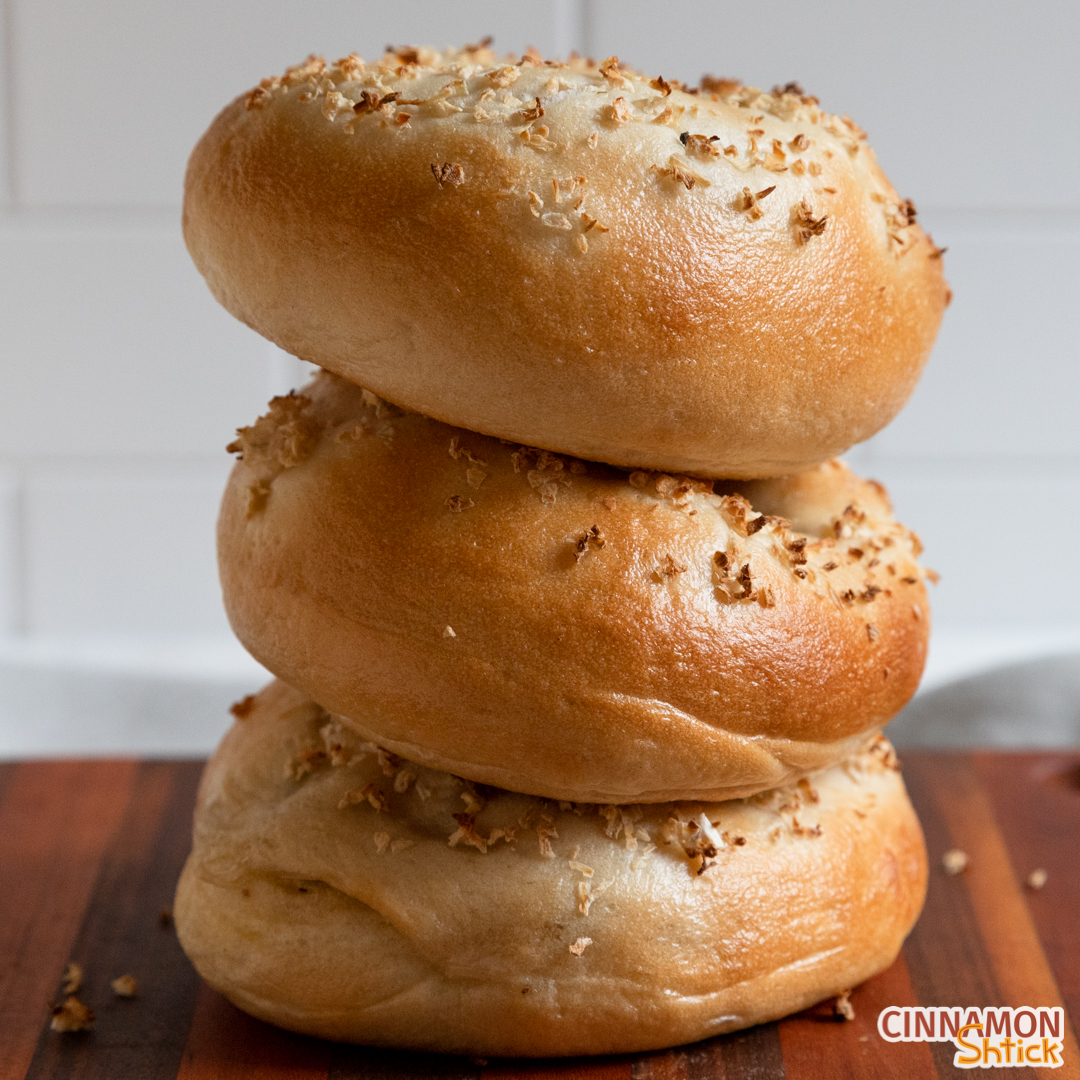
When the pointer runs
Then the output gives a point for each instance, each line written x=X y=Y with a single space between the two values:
x=961 y=99
x=1004 y=378
x=157 y=72
x=121 y=380
x=286 y=372
x=1003 y=538
x=112 y=345
x=122 y=548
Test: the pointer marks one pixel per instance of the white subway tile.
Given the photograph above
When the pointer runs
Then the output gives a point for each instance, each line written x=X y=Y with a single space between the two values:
x=149 y=694
x=113 y=94
x=1004 y=377
x=112 y=344
x=1002 y=538
x=968 y=103
x=122 y=549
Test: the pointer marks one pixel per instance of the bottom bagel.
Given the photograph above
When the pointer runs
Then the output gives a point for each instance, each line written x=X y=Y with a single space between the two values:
x=337 y=890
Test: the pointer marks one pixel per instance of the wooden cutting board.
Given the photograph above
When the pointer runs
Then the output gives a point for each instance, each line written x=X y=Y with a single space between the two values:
x=90 y=853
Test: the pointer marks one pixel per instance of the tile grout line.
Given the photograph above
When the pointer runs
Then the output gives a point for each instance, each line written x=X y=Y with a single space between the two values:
x=20 y=585
x=12 y=548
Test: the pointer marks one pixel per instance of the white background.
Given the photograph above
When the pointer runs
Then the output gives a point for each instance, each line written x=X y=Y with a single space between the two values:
x=122 y=380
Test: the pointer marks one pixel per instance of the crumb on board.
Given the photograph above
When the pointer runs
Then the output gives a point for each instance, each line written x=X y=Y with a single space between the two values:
x=580 y=945
x=124 y=986
x=72 y=1015
x=1037 y=878
x=73 y=978
x=842 y=1007
x=954 y=861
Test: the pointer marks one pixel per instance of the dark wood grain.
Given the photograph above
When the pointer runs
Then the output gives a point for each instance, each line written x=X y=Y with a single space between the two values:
x=368 y=1063
x=8 y=769
x=56 y=821
x=1037 y=806
x=754 y=1053
x=945 y=954
x=227 y=1044
x=563 y=1069
x=142 y=1038
x=954 y=798
x=817 y=1046
x=90 y=853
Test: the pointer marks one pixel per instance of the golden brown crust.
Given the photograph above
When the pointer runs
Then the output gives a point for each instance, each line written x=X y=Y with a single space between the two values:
x=443 y=917
x=563 y=628
x=721 y=283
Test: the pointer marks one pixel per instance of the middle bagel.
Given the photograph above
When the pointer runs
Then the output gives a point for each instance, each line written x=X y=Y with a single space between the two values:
x=561 y=628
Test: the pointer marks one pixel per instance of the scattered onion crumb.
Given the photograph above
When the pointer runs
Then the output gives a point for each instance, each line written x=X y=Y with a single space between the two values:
x=73 y=978
x=1037 y=878
x=954 y=861
x=73 y=1015
x=842 y=1007
x=580 y=945
x=124 y=986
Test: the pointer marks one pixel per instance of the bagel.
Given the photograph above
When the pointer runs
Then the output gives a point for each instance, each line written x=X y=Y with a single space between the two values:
x=563 y=628
x=505 y=245
x=338 y=891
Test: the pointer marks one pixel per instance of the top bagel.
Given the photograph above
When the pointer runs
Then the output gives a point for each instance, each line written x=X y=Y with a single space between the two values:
x=503 y=246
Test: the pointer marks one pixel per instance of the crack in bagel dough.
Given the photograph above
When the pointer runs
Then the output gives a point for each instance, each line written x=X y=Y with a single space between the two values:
x=559 y=627
x=338 y=890
x=720 y=282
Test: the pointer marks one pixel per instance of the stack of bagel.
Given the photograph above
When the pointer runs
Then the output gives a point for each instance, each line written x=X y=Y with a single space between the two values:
x=584 y=640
